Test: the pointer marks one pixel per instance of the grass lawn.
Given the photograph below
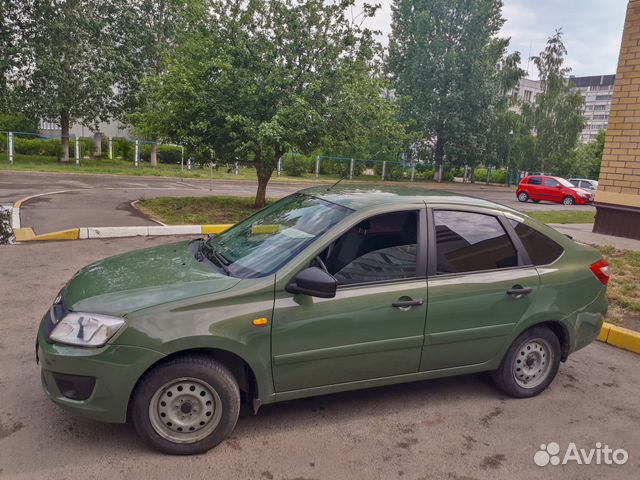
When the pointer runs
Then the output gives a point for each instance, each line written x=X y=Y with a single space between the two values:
x=563 y=217
x=197 y=210
x=624 y=287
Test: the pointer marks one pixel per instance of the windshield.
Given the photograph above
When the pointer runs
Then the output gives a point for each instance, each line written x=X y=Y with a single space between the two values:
x=264 y=242
x=564 y=182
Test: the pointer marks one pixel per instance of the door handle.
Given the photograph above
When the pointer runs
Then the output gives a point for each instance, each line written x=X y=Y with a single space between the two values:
x=408 y=303
x=517 y=292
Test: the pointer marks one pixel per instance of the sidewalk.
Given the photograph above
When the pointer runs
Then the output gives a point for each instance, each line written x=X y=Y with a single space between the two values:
x=581 y=232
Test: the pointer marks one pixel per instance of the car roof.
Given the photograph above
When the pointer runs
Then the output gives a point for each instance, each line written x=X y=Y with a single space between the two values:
x=361 y=197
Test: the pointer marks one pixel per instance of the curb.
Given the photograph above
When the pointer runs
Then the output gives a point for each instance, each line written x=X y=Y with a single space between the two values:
x=28 y=235
x=620 y=337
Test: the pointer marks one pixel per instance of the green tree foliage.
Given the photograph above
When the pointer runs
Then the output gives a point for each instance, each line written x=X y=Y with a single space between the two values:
x=76 y=59
x=557 y=114
x=585 y=160
x=262 y=77
x=444 y=57
x=17 y=123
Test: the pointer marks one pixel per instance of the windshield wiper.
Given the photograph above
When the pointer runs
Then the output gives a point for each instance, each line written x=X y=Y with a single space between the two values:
x=213 y=255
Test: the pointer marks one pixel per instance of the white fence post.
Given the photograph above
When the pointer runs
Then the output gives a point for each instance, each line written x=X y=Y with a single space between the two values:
x=413 y=171
x=189 y=164
x=237 y=168
x=77 y=150
x=110 y=147
x=351 y=170
x=318 y=166
x=136 y=154
x=10 y=148
x=280 y=167
x=384 y=169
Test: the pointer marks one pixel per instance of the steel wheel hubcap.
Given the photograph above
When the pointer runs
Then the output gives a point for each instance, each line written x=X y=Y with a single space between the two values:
x=523 y=196
x=568 y=201
x=185 y=410
x=533 y=363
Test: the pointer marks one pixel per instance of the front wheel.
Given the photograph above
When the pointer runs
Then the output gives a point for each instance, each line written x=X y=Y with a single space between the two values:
x=523 y=196
x=568 y=200
x=186 y=406
x=530 y=365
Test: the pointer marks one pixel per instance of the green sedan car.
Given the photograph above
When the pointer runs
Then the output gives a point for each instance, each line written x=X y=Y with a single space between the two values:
x=327 y=290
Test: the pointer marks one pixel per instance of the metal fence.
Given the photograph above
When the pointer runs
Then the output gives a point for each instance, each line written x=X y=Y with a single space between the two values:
x=31 y=147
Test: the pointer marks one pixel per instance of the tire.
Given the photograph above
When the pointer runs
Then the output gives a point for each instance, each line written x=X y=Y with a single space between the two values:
x=519 y=380
x=186 y=406
x=523 y=197
x=568 y=200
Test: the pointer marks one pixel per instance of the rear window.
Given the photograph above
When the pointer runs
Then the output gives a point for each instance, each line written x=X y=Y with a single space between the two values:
x=542 y=250
x=535 y=181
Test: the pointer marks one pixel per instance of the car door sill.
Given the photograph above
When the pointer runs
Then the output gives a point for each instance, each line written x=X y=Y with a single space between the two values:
x=379 y=382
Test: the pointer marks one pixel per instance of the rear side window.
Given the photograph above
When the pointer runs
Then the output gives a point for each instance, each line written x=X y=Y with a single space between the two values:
x=535 y=181
x=542 y=250
x=468 y=242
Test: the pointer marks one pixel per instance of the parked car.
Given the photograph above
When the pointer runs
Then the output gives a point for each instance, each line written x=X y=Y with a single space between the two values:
x=584 y=183
x=552 y=189
x=327 y=290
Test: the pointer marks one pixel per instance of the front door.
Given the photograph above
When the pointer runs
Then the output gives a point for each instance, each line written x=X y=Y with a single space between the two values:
x=374 y=326
x=479 y=288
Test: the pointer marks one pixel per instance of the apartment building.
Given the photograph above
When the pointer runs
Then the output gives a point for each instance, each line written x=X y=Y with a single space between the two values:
x=597 y=92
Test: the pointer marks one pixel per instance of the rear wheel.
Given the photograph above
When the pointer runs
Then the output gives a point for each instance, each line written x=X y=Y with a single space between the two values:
x=530 y=365
x=568 y=200
x=523 y=196
x=186 y=406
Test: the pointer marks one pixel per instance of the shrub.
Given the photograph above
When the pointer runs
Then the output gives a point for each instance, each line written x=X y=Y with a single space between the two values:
x=296 y=165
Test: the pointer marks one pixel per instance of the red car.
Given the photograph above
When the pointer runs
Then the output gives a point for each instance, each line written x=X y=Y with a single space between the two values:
x=552 y=189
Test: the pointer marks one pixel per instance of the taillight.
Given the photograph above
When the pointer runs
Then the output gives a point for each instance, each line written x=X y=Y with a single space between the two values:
x=601 y=270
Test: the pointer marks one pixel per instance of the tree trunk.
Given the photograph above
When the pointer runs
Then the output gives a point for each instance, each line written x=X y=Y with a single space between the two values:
x=472 y=175
x=264 y=175
x=64 y=127
x=154 y=154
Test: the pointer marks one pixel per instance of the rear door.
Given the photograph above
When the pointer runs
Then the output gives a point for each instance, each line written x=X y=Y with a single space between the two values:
x=535 y=188
x=480 y=284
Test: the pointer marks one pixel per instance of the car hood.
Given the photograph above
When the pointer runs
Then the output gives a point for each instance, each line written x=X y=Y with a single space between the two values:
x=142 y=278
x=582 y=190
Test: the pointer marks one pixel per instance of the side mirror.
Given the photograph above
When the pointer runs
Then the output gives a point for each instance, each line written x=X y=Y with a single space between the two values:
x=315 y=282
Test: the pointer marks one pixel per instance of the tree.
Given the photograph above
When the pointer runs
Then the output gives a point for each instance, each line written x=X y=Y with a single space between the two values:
x=260 y=78
x=557 y=113
x=585 y=160
x=76 y=60
x=443 y=56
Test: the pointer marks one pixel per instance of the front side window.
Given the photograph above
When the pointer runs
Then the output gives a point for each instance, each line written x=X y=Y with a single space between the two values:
x=264 y=242
x=550 y=182
x=541 y=249
x=468 y=242
x=381 y=248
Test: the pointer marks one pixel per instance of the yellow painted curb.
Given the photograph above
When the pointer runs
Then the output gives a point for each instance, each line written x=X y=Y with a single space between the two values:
x=215 y=229
x=604 y=332
x=624 y=338
x=620 y=337
x=28 y=235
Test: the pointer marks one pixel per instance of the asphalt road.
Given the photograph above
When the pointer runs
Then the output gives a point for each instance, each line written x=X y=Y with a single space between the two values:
x=105 y=200
x=457 y=428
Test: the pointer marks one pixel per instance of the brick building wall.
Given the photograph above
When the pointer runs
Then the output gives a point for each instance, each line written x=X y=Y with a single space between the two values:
x=618 y=198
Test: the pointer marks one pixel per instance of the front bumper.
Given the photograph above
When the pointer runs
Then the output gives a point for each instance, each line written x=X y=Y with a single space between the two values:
x=104 y=376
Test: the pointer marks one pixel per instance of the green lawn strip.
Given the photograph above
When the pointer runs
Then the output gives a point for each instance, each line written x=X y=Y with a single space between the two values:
x=563 y=217
x=197 y=210
x=624 y=287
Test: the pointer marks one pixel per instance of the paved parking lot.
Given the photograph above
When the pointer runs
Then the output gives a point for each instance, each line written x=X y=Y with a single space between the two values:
x=457 y=428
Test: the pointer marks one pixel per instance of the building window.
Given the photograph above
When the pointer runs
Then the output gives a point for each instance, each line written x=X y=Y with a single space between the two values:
x=600 y=108
x=527 y=95
x=603 y=97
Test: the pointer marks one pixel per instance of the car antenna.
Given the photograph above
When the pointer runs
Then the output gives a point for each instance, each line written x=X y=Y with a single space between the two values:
x=341 y=178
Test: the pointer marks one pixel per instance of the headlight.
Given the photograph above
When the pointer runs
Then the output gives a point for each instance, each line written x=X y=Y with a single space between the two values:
x=584 y=195
x=86 y=329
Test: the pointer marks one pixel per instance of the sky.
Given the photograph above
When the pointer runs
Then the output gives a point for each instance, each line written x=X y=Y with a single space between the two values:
x=592 y=30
